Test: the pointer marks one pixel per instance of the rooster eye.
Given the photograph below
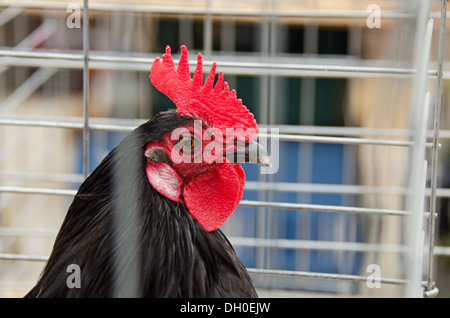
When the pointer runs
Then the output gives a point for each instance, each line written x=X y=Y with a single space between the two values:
x=187 y=142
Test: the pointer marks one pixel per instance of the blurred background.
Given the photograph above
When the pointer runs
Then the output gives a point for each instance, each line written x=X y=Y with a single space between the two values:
x=343 y=71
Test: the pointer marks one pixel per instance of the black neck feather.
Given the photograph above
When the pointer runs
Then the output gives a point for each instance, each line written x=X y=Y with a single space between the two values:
x=176 y=256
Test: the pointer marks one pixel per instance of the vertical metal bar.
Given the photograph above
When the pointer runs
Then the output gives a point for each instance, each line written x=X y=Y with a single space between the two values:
x=435 y=158
x=419 y=114
x=126 y=227
x=270 y=115
x=86 y=88
x=305 y=150
x=415 y=225
x=126 y=233
x=263 y=227
x=261 y=223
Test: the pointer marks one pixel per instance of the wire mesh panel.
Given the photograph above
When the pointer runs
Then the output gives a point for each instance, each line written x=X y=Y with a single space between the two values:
x=347 y=94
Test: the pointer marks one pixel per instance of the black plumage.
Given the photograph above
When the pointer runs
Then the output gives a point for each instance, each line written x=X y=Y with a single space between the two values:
x=178 y=257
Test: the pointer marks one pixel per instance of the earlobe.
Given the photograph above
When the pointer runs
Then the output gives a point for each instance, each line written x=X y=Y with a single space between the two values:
x=165 y=180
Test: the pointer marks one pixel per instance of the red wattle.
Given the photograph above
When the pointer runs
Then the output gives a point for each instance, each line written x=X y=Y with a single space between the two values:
x=212 y=197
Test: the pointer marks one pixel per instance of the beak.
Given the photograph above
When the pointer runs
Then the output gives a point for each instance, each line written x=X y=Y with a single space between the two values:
x=251 y=153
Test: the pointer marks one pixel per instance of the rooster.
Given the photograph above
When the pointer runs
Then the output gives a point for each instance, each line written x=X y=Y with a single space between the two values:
x=180 y=176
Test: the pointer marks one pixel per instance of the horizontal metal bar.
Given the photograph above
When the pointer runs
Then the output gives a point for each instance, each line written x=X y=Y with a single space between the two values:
x=350 y=131
x=192 y=10
x=252 y=242
x=42 y=55
x=235 y=67
x=302 y=71
x=254 y=271
x=282 y=137
x=22 y=257
x=300 y=187
x=243 y=203
x=342 y=140
x=321 y=208
x=441 y=251
x=43 y=177
x=45 y=191
x=297 y=187
x=40 y=123
x=203 y=10
x=316 y=245
x=72 y=125
x=355 y=278
x=120 y=124
x=341 y=130
x=327 y=245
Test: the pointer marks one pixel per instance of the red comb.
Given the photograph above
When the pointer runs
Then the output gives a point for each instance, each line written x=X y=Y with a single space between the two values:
x=213 y=103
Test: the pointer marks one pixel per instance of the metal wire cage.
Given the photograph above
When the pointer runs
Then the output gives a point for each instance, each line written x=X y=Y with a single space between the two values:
x=349 y=94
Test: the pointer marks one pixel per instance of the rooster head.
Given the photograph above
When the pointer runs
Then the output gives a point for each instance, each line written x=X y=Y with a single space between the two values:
x=198 y=163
